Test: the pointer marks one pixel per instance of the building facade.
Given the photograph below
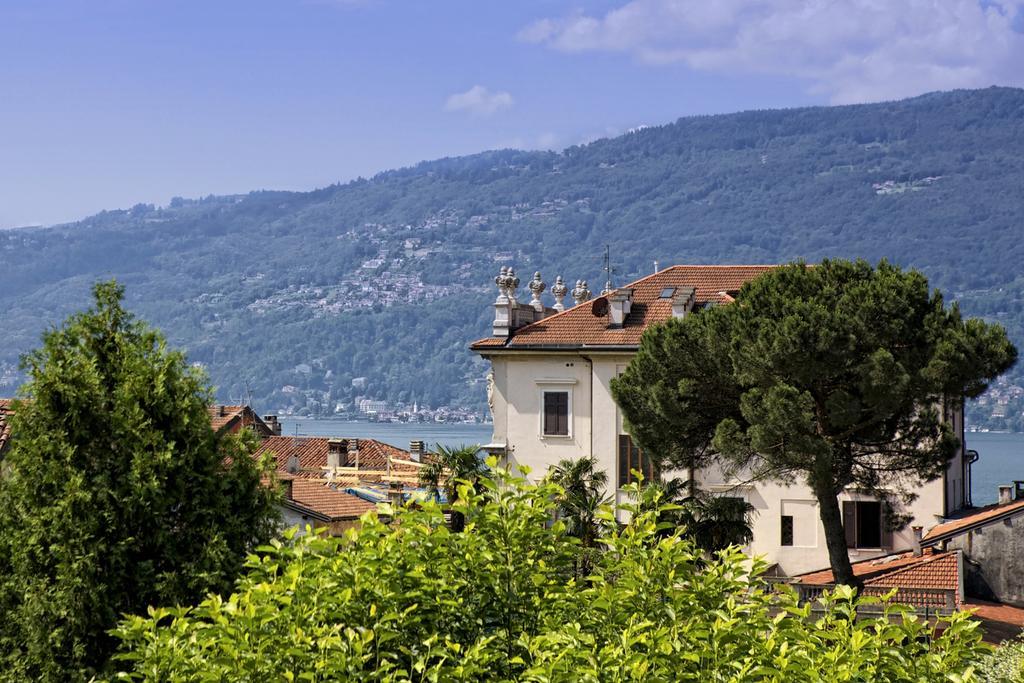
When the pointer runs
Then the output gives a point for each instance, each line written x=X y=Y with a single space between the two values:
x=550 y=398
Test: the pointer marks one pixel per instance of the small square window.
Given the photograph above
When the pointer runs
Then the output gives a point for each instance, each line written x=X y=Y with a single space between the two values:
x=667 y=293
x=787 y=530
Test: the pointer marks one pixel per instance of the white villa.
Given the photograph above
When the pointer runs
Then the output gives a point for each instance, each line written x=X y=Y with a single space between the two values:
x=550 y=398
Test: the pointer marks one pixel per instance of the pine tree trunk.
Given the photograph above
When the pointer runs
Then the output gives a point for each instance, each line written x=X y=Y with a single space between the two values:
x=835 y=536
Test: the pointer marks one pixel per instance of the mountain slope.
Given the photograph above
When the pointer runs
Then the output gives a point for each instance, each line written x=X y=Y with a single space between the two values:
x=267 y=289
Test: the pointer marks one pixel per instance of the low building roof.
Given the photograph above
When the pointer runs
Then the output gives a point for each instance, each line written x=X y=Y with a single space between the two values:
x=579 y=327
x=970 y=520
x=326 y=501
x=312 y=452
x=930 y=569
x=223 y=418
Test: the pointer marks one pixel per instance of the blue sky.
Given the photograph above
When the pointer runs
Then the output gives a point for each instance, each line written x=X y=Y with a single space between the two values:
x=107 y=103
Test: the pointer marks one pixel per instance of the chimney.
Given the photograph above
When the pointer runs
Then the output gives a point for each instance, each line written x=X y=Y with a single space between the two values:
x=336 y=453
x=293 y=464
x=656 y=268
x=275 y=426
x=353 y=453
x=619 y=303
x=1018 y=489
x=395 y=494
x=1005 y=494
x=416 y=450
x=916 y=542
x=221 y=411
x=682 y=302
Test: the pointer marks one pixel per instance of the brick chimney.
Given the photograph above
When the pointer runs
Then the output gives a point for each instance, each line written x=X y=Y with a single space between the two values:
x=337 y=452
x=417 y=450
x=619 y=303
x=275 y=426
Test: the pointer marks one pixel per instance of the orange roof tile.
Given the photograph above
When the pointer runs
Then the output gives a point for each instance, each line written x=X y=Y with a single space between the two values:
x=578 y=326
x=325 y=499
x=973 y=519
x=865 y=569
x=940 y=570
x=5 y=426
x=312 y=454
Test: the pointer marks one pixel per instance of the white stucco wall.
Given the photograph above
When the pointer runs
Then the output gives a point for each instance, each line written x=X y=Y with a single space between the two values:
x=596 y=422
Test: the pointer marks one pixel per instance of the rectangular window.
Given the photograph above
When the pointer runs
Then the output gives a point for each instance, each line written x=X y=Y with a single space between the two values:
x=632 y=458
x=787 y=530
x=556 y=413
x=863 y=521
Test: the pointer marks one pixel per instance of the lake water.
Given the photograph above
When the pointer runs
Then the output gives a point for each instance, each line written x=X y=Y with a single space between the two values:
x=1001 y=461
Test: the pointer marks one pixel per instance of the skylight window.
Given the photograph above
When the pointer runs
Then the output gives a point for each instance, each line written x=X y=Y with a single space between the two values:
x=667 y=293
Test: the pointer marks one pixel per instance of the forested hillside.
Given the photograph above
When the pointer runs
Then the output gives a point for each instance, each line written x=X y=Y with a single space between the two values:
x=289 y=297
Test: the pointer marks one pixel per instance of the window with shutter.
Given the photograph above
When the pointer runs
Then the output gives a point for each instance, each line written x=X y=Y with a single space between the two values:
x=556 y=413
x=864 y=525
x=632 y=458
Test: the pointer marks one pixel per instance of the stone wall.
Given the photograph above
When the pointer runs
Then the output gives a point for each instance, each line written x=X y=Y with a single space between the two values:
x=994 y=560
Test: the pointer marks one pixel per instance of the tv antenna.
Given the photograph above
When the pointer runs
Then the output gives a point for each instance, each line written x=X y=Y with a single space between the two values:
x=609 y=269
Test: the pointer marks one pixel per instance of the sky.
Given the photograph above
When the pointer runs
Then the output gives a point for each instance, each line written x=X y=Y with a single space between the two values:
x=109 y=103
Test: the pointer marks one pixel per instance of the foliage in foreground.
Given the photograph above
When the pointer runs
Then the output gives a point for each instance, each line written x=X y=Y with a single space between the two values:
x=412 y=601
x=116 y=494
x=1003 y=665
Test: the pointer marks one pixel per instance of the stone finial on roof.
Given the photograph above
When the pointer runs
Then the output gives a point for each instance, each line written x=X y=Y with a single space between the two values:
x=500 y=280
x=507 y=283
x=559 y=290
x=537 y=288
x=581 y=292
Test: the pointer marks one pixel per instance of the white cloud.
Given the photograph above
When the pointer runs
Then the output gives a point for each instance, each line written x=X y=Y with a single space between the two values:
x=479 y=100
x=849 y=50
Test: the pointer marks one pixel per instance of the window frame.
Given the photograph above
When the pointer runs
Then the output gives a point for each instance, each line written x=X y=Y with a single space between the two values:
x=646 y=465
x=852 y=526
x=782 y=531
x=555 y=387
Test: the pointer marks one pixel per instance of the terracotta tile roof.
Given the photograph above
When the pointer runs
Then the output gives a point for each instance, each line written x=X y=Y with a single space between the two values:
x=940 y=570
x=231 y=417
x=222 y=416
x=931 y=569
x=578 y=326
x=321 y=497
x=866 y=569
x=312 y=454
x=973 y=519
x=5 y=426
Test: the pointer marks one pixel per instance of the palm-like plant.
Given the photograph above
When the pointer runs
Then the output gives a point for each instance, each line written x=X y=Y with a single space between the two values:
x=583 y=494
x=446 y=469
x=713 y=522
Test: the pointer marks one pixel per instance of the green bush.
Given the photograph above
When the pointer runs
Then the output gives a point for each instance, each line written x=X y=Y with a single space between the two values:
x=412 y=601
x=1005 y=664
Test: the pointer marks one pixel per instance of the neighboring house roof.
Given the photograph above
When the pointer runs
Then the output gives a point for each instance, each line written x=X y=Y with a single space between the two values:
x=930 y=569
x=973 y=519
x=324 y=501
x=579 y=327
x=5 y=425
x=312 y=452
x=230 y=418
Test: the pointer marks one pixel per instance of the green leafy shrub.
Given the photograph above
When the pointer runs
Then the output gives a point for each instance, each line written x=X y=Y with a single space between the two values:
x=1005 y=664
x=412 y=601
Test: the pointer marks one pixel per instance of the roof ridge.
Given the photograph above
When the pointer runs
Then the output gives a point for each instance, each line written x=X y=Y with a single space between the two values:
x=922 y=560
x=631 y=285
